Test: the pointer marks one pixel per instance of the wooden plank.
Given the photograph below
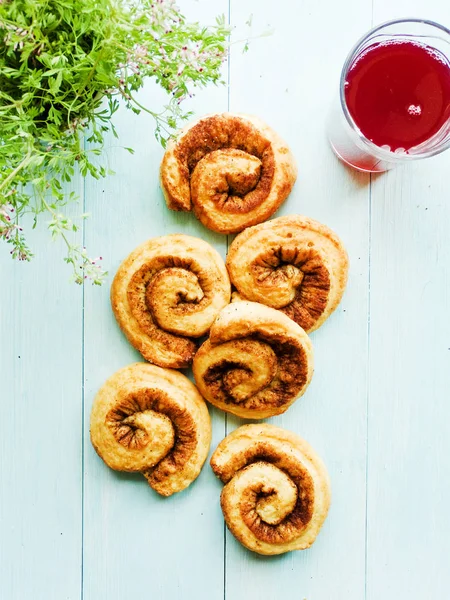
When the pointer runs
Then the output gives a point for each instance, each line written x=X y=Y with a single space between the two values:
x=289 y=80
x=408 y=445
x=40 y=428
x=137 y=543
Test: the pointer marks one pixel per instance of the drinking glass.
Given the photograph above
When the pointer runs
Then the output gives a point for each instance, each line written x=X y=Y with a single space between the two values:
x=347 y=140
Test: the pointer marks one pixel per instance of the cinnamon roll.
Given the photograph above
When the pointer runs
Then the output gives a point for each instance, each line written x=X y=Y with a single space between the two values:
x=153 y=421
x=256 y=362
x=168 y=291
x=232 y=170
x=277 y=492
x=293 y=264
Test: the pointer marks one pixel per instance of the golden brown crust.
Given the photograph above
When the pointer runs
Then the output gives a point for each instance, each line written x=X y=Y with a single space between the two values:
x=169 y=290
x=154 y=421
x=294 y=264
x=277 y=491
x=232 y=170
x=256 y=362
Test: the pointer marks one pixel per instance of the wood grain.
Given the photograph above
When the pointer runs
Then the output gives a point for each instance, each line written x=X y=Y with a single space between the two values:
x=136 y=542
x=377 y=408
x=289 y=79
x=40 y=424
x=408 y=523
x=409 y=457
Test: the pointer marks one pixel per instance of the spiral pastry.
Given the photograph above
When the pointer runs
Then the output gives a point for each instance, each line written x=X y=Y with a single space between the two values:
x=294 y=264
x=256 y=362
x=169 y=290
x=277 y=491
x=154 y=421
x=231 y=170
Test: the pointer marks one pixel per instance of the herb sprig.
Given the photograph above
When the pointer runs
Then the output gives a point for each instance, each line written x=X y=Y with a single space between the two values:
x=64 y=66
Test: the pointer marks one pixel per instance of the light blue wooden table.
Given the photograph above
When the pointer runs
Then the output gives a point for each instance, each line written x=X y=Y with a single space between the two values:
x=378 y=408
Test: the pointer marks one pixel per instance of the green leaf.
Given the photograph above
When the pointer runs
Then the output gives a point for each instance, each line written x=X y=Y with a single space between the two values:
x=60 y=87
x=50 y=72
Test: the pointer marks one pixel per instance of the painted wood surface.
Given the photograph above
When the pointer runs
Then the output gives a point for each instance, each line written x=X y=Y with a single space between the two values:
x=377 y=410
x=40 y=427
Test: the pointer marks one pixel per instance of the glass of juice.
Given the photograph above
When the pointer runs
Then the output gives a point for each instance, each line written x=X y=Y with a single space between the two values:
x=394 y=97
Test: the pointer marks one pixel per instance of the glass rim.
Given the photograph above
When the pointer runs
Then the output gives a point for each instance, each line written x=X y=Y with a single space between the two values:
x=377 y=150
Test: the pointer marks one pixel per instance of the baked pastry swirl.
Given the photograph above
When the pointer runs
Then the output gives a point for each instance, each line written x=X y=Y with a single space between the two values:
x=256 y=362
x=154 y=421
x=293 y=264
x=169 y=290
x=232 y=170
x=277 y=491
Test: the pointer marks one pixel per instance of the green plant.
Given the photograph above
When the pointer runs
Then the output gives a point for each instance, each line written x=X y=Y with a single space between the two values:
x=64 y=65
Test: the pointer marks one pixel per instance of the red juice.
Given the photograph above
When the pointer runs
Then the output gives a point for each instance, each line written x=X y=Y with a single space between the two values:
x=398 y=93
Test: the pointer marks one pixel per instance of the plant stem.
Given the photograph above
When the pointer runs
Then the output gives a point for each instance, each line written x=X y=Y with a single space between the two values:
x=17 y=170
x=158 y=118
x=142 y=107
x=55 y=215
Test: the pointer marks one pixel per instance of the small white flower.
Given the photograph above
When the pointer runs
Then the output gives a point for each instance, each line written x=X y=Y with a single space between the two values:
x=140 y=51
